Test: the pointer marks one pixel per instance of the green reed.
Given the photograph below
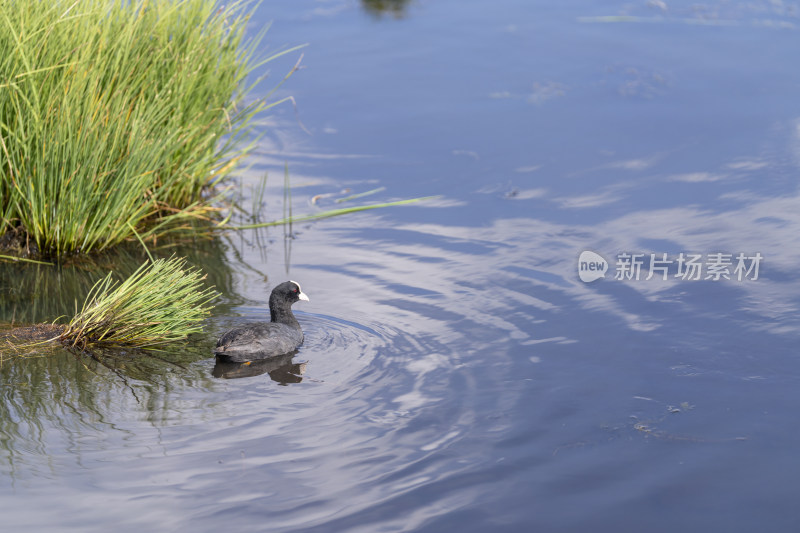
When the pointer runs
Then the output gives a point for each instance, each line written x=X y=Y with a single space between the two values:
x=163 y=301
x=116 y=116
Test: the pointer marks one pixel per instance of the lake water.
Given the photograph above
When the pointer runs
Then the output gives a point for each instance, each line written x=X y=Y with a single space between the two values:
x=457 y=374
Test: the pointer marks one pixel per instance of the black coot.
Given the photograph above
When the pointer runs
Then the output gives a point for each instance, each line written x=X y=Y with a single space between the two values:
x=258 y=341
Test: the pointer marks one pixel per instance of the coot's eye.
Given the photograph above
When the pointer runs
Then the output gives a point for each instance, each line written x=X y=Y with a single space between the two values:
x=294 y=290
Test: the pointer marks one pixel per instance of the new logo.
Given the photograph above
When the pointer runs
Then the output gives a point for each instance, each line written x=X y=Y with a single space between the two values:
x=591 y=266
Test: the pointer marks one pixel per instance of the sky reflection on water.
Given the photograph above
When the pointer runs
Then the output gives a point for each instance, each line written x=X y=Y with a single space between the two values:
x=457 y=374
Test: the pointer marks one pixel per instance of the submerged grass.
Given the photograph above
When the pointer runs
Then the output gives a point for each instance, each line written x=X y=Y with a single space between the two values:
x=325 y=214
x=289 y=218
x=116 y=116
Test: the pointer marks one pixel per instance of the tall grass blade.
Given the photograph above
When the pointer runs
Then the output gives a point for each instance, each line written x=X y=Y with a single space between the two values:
x=326 y=214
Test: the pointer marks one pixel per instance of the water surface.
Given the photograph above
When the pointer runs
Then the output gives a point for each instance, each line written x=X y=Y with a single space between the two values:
x=457 y=375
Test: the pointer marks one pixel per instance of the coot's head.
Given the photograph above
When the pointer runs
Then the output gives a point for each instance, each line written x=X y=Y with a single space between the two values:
x=289 y=292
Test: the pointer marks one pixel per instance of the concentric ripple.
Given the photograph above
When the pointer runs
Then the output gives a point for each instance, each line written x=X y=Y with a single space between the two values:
x=334 y=350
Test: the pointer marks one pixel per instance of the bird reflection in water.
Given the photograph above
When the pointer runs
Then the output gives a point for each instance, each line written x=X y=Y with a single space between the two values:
x=280 y=368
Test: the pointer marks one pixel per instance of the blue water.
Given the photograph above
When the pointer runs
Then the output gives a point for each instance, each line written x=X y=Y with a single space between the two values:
x=457 y=375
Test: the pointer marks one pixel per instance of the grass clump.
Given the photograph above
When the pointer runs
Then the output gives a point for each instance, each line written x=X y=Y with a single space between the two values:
x=115 y=116
x=162 y=302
